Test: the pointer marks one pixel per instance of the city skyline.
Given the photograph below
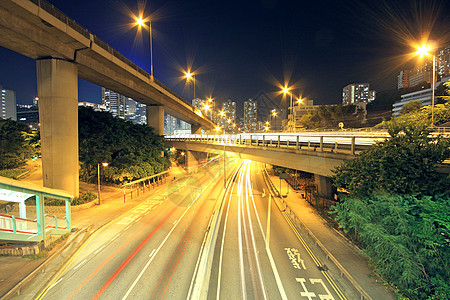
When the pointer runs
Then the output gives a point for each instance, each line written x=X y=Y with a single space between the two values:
x=250 y=48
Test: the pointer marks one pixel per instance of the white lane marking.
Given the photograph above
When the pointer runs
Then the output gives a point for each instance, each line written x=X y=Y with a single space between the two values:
x=157 y=250
x=223 y=240
x=55 y=283
x=151 y=254
x=99 y=249
x=176 y=222
x=269 y=254
x=147 y=213
x=137 y=219
x=117 y=235
x=79 y=265
x=252 y=234
x=127 y=228
x=241 y=251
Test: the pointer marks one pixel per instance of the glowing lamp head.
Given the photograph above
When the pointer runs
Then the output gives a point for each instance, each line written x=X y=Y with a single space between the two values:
x=140 y=22
x=218 y=128
x=423 y=50
x=188 y=75
x=105 y=164
x=206 y=106
x=285 y=90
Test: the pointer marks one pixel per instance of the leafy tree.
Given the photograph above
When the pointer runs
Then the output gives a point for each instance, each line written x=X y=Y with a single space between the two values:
x=15 y=147
x=397 y=208
x=329 y=116
x=410 y=107
x=132 y=151
x=402 y=164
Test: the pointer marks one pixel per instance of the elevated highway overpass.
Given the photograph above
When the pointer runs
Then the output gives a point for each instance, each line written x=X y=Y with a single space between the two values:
x=64 y=50
x=314 y=152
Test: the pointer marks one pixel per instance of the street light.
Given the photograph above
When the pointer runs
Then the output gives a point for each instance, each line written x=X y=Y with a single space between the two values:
x=141 y=23
x=189 y=76
x=423 y=50
x=98 y=179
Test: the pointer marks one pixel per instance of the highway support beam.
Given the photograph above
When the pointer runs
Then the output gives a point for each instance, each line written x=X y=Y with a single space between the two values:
x=324 y=186
x=193 y=159
x=196 y=129
x=58 y=116
x=155 y=118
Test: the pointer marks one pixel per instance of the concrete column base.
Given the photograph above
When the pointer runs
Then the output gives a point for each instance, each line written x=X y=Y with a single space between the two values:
x=324 y=185
x=58 y=116
x=193 y=158
x=155 y=118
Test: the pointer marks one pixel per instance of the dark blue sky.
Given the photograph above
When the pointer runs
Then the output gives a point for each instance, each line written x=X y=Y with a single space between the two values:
x=239 y=48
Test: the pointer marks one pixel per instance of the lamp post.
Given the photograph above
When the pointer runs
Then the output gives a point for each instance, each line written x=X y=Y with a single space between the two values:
x=188 y=76
x=140 y=23
x=98 y=179
x=423 y=50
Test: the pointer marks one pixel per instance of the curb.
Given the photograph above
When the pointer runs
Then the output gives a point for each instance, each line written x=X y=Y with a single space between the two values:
x=36 y=271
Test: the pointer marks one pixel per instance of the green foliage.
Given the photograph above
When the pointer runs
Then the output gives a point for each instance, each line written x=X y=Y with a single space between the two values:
x=15 y=147
x=406 y=238
x=132 y=151
x=402 y=164
x=397 y=209
x=13 y=173
x=85 y=198
x=329 y=116
x=421 y=117
x=410 y=107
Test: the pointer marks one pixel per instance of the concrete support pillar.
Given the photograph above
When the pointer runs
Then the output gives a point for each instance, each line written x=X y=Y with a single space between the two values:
x=58 y=115
x=155 y=118
x=196 y=129
x=194 y=158
x=324 y=185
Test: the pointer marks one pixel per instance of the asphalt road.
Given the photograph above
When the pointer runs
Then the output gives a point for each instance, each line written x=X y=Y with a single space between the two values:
x=254 y=261
x=155 y=250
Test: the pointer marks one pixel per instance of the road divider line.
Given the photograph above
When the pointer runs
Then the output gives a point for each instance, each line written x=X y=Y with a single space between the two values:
x=56 y=283
x=79 y=265
x=155 y=251
x=117 y=235
x=99 y=249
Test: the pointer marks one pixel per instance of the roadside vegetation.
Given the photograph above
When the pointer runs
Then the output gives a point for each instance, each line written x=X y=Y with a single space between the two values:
x=397 y=208
x=131 y=151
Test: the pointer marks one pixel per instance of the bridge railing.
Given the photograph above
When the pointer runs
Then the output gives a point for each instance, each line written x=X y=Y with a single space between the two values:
x=55 y=222
x=17 y=225
x=348 y=144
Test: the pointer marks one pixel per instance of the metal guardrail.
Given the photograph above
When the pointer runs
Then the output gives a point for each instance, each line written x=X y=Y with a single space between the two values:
x=345 y=144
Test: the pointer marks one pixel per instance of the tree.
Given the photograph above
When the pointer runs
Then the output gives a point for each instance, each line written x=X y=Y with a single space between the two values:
x=132 y=151
x=410 y=107
x=397 y=208
x=398 y=165
x=15 y=147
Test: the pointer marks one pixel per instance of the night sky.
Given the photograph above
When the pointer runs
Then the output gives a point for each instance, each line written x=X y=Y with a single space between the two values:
x=238 y=48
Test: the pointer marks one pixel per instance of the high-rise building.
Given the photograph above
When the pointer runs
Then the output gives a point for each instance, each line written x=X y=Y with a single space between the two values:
x=170 y=124
x=403 y=79
x=7 y=104
x=136 y=112
x=443 y=62
x=115 y=103
x=229 y=119
x=357 y=93
x=250 y=116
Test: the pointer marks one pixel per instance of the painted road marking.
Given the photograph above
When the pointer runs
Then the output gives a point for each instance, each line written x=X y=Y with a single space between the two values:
x=115 y=237
x=311 y=295
x=99 y=249
x=56 y=283
x=79 y=265
x=294 y=257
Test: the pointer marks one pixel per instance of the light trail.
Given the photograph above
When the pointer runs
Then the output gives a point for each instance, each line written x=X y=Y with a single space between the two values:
x=241 y=254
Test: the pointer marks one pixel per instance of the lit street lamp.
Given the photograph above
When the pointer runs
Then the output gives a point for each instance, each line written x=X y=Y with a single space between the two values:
x=141 y=22
x=98 y=179
x=424 y=51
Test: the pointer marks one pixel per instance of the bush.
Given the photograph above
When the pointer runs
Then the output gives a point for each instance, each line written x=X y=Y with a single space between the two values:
x=85 y=198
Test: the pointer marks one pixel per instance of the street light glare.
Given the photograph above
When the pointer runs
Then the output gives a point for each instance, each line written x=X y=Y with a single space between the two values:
x=140 y=22
x=218 y=128
x=423 y=50
x=285 y=90
x=188 y=75
x=105 y=164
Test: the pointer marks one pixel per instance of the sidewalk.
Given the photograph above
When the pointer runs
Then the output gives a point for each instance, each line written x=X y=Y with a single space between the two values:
x=15 y=269
x=337 y=246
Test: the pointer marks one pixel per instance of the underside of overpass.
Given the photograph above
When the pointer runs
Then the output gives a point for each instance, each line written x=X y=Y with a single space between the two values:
x=320 y=164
